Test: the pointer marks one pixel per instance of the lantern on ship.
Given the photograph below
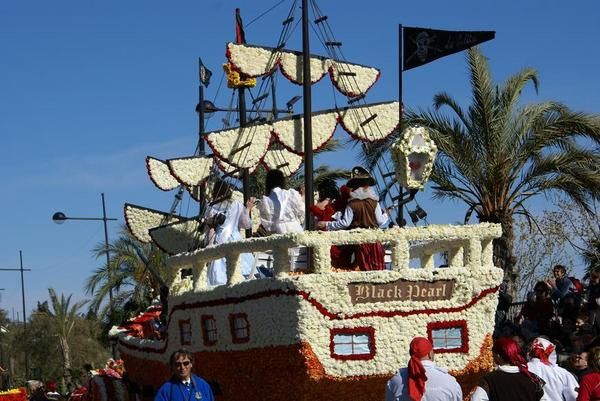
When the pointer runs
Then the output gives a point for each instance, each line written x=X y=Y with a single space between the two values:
x=413 y=157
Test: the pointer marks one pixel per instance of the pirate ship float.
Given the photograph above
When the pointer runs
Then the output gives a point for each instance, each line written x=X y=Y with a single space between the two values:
x=321 y=334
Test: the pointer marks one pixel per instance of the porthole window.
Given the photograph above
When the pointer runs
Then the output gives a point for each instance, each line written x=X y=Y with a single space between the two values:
x=209 y=329
x=240 y=328
x=185 y=332
x=448 y=336
x=353 y=343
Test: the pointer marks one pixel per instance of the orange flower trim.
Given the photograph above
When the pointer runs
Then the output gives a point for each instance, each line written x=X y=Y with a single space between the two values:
x=475 y=369
x=224 y=369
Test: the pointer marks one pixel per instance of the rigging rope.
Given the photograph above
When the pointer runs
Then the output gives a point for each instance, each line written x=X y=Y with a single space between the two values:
x=265 y=13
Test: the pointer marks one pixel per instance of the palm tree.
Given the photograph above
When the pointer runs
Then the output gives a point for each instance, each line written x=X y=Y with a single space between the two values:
x=496 y=154
x=135 y=273
x=63 y=317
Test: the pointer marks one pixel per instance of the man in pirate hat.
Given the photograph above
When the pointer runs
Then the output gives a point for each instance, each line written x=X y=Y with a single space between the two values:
x=363 y=211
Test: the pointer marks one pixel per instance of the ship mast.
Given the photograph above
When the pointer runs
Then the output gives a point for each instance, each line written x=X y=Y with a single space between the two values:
x=306 y=97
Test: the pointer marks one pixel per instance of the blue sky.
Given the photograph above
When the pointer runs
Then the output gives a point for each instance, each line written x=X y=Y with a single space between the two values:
x=88 y=89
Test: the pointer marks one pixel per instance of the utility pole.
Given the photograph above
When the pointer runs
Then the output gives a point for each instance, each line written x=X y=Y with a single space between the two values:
x=21 y=269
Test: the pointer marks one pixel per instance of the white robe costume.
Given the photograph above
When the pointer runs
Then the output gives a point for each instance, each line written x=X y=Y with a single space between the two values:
x=282 y=211
x=560 y=384
x=236 y=219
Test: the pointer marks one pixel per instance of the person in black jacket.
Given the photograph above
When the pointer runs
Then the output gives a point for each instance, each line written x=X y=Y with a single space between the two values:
x=512 y=380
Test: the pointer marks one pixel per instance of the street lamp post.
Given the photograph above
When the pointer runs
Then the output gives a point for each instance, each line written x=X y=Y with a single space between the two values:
x=60 y=217
x=24 y=309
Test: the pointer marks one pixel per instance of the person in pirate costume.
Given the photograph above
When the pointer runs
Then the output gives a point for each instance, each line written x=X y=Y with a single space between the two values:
x=422 y=379
x=560 y=385
x=363 y=211
x=227 y=216
x=184 y=385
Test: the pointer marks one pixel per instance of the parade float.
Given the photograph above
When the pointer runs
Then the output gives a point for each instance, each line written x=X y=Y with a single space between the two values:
x=310 y=332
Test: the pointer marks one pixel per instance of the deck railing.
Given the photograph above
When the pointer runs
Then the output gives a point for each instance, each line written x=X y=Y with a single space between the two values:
x=469 y=245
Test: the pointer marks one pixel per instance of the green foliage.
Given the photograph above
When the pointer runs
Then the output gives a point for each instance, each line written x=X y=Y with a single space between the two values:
x=46 y=358
x=136 y=275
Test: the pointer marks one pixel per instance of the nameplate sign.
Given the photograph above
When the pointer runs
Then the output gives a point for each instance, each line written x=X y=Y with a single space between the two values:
x=401 y=290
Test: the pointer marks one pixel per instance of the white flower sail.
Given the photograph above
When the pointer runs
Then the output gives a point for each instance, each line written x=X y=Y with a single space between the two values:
x=245 y=148
x=242 y=147
x=290 y=65
x=282 y=159
x=350 y=79
x=290 y=131
x=370 y=123
x=182 y=236
x=231 y=170
x=160 y=175
x=252 y=60
x=140 y=220
x=190 y=171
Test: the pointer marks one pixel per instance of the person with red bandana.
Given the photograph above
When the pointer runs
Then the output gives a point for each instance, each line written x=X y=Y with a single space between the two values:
x=422 y=379
x=560 y=384
x=512 y=380
x=589 y=385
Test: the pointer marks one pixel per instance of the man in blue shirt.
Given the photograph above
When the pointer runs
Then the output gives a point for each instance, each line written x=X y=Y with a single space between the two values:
x=184 y=385
x=561 y=286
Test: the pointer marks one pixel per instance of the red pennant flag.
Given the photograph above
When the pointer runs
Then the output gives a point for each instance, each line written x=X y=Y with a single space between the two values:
x=240 y=35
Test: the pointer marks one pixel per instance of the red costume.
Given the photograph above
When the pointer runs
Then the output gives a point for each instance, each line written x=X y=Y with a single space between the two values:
x=341 y=256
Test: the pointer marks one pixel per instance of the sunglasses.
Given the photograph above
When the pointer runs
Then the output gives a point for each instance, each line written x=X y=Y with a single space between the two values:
x=184 y=363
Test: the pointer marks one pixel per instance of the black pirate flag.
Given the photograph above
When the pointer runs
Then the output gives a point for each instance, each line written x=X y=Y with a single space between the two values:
x=204 y=72
x=423 y=45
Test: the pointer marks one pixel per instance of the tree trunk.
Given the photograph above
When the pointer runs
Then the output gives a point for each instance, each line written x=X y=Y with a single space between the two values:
x=504 y=257
x=66 y=354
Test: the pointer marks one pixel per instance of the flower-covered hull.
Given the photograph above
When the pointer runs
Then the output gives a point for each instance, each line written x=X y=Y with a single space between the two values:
x=340 y=334
x=234 y=375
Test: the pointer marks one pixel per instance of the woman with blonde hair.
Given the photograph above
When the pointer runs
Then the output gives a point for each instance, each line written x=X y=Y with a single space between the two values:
x=589 y=386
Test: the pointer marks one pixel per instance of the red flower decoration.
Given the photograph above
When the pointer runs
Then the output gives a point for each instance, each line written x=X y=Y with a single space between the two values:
x=414 y=165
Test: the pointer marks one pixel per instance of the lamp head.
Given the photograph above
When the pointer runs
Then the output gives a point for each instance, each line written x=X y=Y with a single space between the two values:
x=413 y=216
x=208 y=106
x=59 y=217
x=421 y=214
